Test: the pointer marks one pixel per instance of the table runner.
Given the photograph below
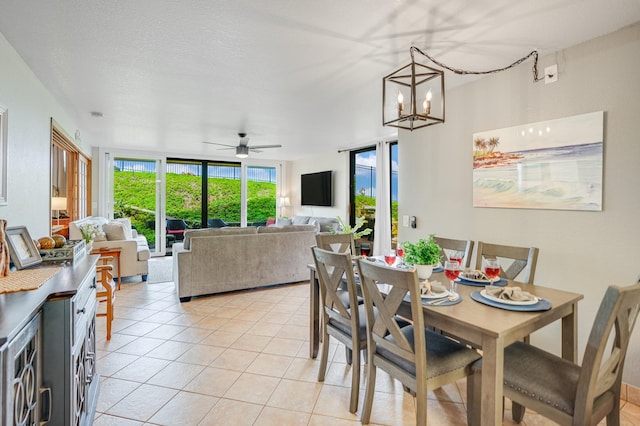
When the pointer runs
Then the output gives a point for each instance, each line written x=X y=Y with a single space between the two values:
x=26 y=279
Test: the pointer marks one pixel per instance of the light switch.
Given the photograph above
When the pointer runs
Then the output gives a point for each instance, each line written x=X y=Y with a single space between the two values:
x=405 y=221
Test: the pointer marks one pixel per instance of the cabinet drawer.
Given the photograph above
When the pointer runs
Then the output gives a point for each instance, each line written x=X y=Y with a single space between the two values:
x=83 y=308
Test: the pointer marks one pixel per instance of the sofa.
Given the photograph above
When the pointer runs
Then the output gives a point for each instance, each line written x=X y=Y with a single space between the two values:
x=217 y=260
x=134 y=255
x=322 y=224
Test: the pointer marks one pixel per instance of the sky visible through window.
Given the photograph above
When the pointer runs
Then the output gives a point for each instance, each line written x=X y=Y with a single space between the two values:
x=366 y=173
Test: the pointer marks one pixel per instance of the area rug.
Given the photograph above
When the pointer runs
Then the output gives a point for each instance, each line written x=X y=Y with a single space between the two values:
x=160 y=270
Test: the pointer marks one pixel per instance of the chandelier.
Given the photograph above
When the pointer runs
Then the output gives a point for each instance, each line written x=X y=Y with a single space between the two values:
x=413 y=96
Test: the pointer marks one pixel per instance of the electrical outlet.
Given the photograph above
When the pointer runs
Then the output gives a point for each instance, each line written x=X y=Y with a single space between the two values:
x=413 y=222
x=405 y=221
x=551 y=74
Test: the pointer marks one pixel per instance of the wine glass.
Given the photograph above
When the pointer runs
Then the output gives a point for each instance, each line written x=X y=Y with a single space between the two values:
x=457 y=256
x=365 y=250
x=451 y=271
x=492 y=269
x=390 y=257
x=400 y=252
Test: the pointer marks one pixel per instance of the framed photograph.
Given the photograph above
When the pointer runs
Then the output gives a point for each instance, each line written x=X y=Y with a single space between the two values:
x=4 y=118
x=22 y=250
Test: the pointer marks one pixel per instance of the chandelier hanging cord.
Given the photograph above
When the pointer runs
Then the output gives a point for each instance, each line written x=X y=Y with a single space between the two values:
x=533 y=53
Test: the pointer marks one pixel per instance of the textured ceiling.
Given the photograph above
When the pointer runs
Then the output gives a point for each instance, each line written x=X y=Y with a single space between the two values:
x=167 y=75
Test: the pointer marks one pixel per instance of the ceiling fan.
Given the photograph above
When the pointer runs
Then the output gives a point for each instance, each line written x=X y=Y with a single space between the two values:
x=243 y=148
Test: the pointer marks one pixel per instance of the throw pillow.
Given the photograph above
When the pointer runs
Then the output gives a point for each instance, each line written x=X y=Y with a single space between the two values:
x=280 y=222
x=300 y=220
x=115 y=231
x=128 y=231
x=315 y=223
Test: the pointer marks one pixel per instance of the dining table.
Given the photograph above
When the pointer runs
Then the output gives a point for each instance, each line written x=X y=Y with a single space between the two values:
x=490 y=328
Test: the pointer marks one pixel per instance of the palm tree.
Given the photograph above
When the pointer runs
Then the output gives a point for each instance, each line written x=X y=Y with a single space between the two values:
x=493 y=143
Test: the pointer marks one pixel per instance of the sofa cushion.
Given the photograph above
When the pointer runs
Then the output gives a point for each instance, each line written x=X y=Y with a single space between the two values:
x=143 y=248
x=326 y=223
x=128 y=230
x=115 y=231
x=290 y=228
x=300 y=220
x=210 y=232
x=281 y=221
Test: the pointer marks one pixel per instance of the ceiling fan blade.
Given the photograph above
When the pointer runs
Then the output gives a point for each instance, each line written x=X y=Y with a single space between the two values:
x=266 y=146
x=221 y=144
x=254 y=150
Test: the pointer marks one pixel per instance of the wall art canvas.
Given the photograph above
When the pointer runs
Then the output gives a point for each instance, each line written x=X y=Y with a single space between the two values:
x=554 y=164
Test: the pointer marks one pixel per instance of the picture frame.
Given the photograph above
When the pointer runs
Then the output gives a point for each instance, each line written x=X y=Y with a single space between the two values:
x=22 y=250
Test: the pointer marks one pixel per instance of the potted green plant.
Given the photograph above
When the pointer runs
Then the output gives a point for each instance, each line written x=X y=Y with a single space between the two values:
x=424 y=255
x=343 y=228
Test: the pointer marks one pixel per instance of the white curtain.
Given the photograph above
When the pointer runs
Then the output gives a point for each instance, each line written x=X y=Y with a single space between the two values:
x=382 y=229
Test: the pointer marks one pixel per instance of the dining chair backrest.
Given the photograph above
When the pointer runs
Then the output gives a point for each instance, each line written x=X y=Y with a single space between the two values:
x=401 y=350
x=465 y=246
x=524 y=260
x=342 y=317
x=339 y=243
x=601 y=370
x=399 y=283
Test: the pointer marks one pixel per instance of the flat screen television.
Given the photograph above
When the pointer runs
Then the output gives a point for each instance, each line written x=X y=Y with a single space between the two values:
x=316 y=189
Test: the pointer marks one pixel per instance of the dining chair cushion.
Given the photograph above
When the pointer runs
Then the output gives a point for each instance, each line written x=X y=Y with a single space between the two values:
x=363 y=323
x=540 y=375
x=344 y=296
x=443 y=354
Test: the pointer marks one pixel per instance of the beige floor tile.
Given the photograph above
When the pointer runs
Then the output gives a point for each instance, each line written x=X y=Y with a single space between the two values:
x=252 y=388
x=140 y=328
x=162 y=317
x=277 y=417
x=187 y=320
x=289 y=331
x=176 y=375
x=270 y=365
x=107 y=420
x=392 y=409
x=114 y=362
x=192 y=335
x=333 y=401
x=141 y=369
x=140 y=346
x=212 y=381
x=222 y=338
x=184 y=409
x=318 y=420
x=276 y=317
x=295 y=395
x=165 y=331
x=212 y=322
x=238 y=326
x=280 y=346
x=231 y=412
x=249 y=314
x=113 y=391
x=303 y=369
x=633 y=394
x=131 y=313
x=630 y=415
x=170 y=350
x=119 y=323
x=117 y=340
x=201 y=354
x=265 y=329
x=234 y=359
x=143 y=402
x=260 y=306
x=225 y=312
x=251 y=342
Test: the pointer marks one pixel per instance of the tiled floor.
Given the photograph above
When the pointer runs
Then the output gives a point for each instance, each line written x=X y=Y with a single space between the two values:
x=241 y=359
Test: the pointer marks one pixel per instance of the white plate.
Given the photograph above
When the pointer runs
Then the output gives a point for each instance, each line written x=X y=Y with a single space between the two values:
x=484 y=294
x=435 y=295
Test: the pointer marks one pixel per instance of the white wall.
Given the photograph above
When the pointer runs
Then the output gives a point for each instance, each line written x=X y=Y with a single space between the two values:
x=30 y=109
x=339 y=164
x=577 y=249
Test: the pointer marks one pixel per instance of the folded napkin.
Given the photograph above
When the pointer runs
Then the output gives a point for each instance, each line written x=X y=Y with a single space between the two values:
x=433 y=287
x=509 y=293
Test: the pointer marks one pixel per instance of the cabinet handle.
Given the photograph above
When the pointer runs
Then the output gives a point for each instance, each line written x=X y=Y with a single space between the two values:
x=46 y=407
x=81 y=311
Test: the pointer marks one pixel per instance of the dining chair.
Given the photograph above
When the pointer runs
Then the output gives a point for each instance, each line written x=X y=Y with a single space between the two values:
x=419 y=358
x=106 y=290
x=524 y=260
x=339 y=243
x=338 y=319
x=465 y=246
x=568 y=393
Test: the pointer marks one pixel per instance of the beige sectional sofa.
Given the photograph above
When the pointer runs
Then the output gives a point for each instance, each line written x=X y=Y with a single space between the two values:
x=217 y=260
x=134 y=255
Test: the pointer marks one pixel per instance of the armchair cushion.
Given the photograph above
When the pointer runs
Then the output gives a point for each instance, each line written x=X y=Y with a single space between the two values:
x=115 y=231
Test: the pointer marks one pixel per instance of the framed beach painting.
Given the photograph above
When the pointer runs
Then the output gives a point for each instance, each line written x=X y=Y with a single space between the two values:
x=554 y=164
